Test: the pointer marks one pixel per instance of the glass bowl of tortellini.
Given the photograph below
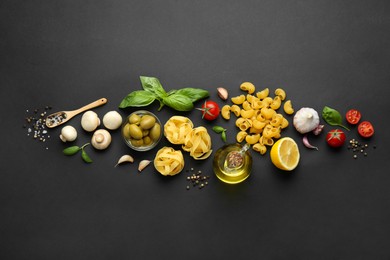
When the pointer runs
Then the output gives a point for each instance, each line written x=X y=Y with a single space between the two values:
x=142 y=130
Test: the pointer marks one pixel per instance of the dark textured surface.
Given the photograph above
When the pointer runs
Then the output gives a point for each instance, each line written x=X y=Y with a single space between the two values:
x=69 y=53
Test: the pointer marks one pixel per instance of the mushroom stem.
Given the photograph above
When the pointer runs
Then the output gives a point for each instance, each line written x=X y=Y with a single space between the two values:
x=99 y=138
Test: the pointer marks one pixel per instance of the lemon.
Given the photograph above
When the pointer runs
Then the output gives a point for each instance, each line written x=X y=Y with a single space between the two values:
x=285 y=154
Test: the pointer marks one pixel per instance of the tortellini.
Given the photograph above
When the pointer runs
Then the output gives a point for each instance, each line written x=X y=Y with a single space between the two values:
x=258 y=121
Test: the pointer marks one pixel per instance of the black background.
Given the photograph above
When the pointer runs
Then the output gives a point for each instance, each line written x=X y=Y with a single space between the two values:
x=69 y=53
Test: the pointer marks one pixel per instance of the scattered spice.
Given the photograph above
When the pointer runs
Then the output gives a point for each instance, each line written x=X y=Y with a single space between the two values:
x=358 y=148
x=197 y=179
x=35 y=123
x=56 y=119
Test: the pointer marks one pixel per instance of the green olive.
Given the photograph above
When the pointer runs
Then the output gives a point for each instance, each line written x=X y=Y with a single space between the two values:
x=147 y=140
x=134 y=119
x=147 y=122
x=126 y=131
x=155 y=132
x=135 y=131
x=145 y=133
x=137 y=143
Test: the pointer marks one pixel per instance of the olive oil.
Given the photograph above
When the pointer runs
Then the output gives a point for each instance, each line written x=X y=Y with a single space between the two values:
x=232 y=163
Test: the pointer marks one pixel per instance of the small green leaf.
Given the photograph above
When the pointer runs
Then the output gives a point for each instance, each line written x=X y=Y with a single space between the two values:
x=218 y=129
x=85 y=156
x=223 y=136
x=71 y=150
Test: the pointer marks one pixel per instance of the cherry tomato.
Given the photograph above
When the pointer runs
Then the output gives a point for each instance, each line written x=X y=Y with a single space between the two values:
x=365 y=129
x=353 y=116
x=335 y=138
x=210 y=110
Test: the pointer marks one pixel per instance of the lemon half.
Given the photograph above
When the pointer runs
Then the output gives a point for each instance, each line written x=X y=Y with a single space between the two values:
x=285 y=154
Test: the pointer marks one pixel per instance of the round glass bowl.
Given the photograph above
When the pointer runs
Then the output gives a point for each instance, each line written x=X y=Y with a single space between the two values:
x=232 y=163
x=142 y=130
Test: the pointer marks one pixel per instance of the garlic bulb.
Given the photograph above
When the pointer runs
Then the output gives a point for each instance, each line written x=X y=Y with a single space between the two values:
x=306 y=120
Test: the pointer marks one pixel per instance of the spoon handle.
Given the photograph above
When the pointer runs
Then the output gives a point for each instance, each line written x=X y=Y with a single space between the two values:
x=94 y=104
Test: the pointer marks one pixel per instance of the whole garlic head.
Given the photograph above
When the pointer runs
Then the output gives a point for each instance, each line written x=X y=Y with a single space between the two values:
x=90 y=121
x=306 y=120
x=112 y=120
x=101 y=139
x=68 y=134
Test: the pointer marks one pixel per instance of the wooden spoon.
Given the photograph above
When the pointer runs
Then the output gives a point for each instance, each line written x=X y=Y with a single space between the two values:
x=61 y=117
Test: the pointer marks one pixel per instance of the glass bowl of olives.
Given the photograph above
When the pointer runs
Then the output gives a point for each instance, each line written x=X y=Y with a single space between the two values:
x=142 y=130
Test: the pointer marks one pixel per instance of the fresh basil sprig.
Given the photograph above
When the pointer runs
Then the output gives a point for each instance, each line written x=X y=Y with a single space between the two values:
x=333 y=117
x=220 y=130
x=72 y=150
x=180 y=100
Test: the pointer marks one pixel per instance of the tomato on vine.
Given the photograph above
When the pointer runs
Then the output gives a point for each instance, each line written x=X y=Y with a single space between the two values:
x=210 y=110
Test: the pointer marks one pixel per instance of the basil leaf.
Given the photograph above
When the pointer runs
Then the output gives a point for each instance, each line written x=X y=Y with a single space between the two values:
x=71 y=150
x=153 y=85
x=85 y=156
x=218 y=129
x=223 y=136
x=194 y=94
x=138 y=98
x=178 y=102
x=332 y=117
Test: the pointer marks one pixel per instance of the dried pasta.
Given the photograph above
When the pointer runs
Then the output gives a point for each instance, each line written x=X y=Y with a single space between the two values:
x=287 y=107
x=196 y=141
x=176 y=128
x=169 y=161
x=225 y=112
x=248 y=86
x=258 y=121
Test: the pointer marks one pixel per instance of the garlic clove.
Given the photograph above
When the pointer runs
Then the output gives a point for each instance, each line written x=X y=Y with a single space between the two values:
x=318 y=129
x=307 y=143
x=142 y=165
x=124 y=158
x=223 y=93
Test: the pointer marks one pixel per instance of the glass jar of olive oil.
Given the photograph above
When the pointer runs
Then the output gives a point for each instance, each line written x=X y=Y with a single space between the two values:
x=232 y=163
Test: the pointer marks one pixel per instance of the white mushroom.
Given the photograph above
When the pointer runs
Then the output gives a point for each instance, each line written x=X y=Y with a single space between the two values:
x=101 y=139
x=90 y=121
x=112 y=120
x=68 y=134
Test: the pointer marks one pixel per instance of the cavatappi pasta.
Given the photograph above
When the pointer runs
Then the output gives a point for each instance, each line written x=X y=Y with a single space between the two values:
x=196 y=141
x=258 y=120
x=169 y=161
